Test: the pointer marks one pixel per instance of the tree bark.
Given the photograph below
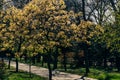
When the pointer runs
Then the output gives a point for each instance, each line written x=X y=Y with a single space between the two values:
x=49 y=67
x=38 y=58
x=86 y=64
x=30 y=67
x=17 y=65
x=25 y=58
x=105 y=58
x=85 y=48
x=9 y=62
x=55 y=59
x=33 y=59
x=64 y=62
x=55 y=62
x=42 y=60
x=2 y=63
x=118 y=63
x=83 y=9
x=18 y=50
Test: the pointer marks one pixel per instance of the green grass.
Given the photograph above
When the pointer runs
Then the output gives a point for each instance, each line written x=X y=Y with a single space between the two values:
x=113 y=76
x=21 y=75
x=99 y=74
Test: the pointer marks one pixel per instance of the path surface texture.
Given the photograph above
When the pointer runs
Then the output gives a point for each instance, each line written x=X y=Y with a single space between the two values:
x=44 y=72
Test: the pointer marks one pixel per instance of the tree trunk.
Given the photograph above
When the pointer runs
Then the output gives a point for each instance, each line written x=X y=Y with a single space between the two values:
x=105 y=61
x=49 y=68
x=55 y=59
x=101 y=12
x=55 y=62
x=30 y=68
x=16 y=65
x=118 y=63
x=86 y=65
x=2 y=63
x=64 y=62
x=86 y=60
x=25 y=59
x=18 y=50
x=33 y=59
x=38 y=58
x=9 y=62
x=42 y=60
x=83 y=9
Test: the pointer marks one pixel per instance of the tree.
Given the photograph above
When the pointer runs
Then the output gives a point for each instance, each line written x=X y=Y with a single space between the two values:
x=50 y=26
x=114 y=40
x=42 y=26
x=98 y=11
x=13 y=31
x=109 y=40
x=87 y=30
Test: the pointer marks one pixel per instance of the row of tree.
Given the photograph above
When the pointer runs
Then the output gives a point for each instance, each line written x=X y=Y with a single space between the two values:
x=48 y=27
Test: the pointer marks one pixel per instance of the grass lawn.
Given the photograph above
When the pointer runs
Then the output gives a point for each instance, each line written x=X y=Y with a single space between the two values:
x=12 y=75
x=99 y=74
x=113 y=76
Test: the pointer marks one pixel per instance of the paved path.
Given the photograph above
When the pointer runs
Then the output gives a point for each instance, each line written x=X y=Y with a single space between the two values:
x=44 y=72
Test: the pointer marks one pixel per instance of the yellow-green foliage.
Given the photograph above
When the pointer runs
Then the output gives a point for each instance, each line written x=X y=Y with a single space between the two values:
x=42 y=25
